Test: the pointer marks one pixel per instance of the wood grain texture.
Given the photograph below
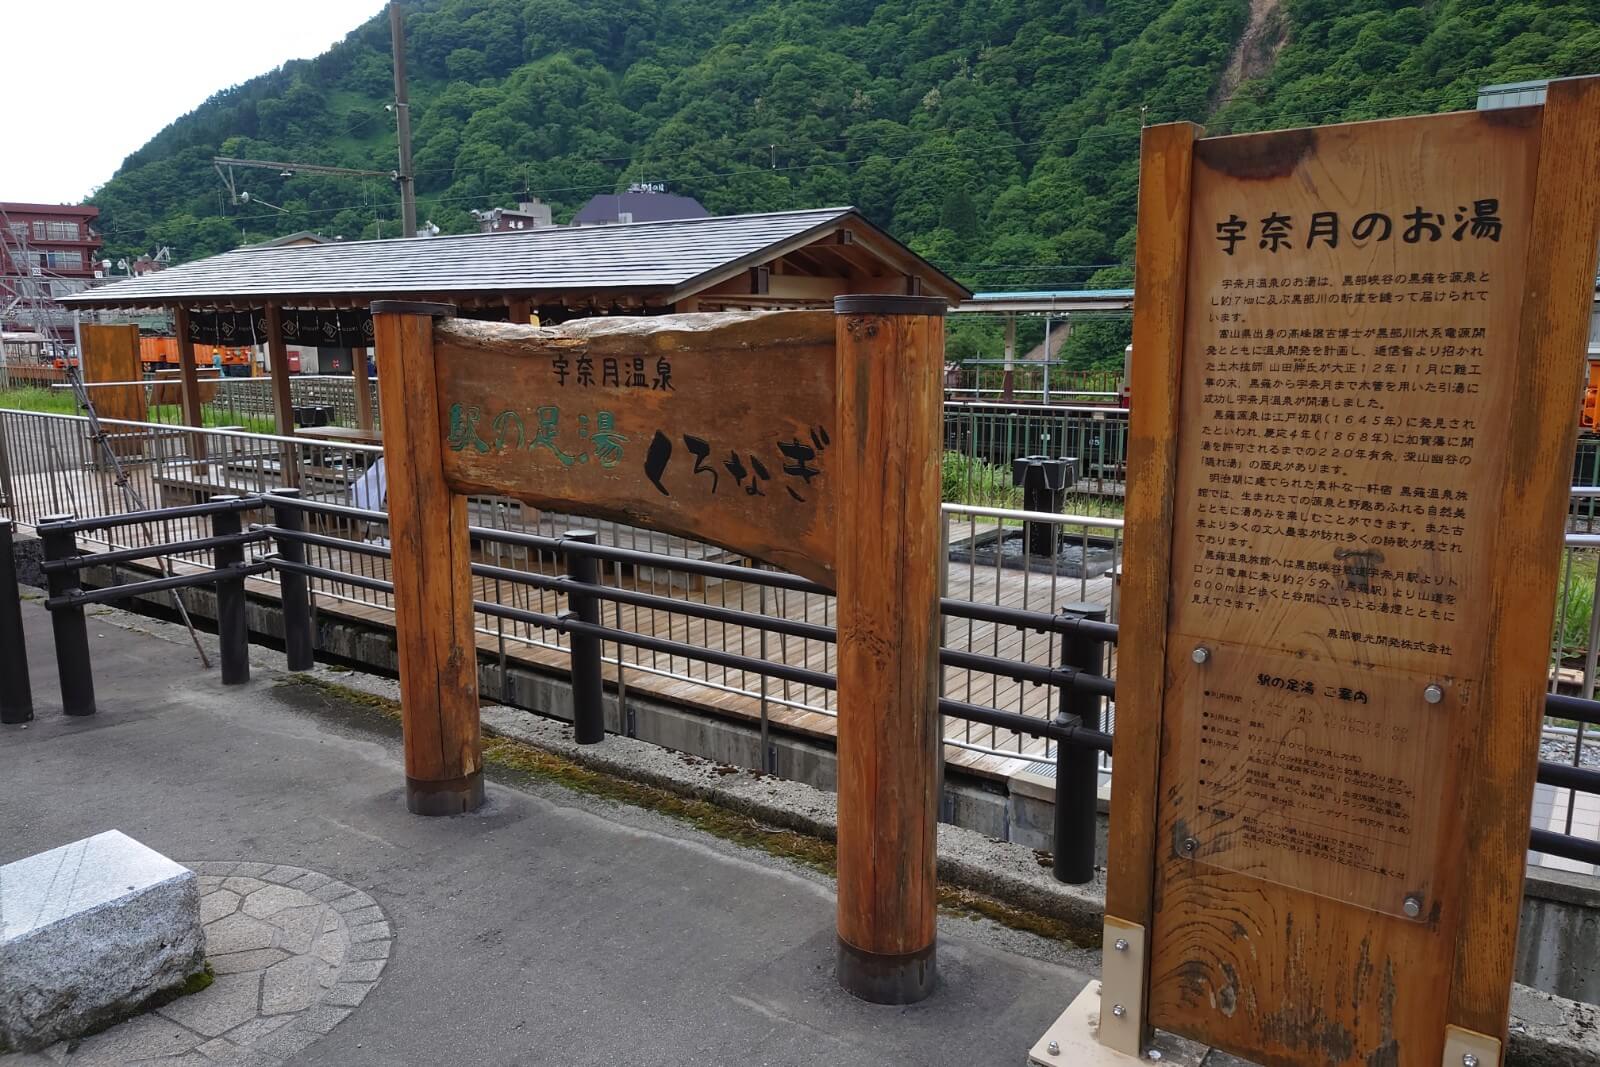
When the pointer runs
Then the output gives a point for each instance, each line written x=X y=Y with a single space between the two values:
x=1160 y=265
x=111 y=354
x=431 y=560
x=1539 y=442
x=605 y=416
x=890 y=369
x=1343 y=401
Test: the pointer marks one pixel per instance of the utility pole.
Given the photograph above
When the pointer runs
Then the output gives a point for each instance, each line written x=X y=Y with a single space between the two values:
x=402 y=114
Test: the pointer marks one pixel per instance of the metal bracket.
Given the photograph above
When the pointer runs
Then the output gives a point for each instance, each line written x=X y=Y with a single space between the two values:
x=1104 y=1024
x=1468 y=1048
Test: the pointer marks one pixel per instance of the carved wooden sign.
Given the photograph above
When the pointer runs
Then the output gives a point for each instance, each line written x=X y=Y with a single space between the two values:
x=807 y=439
x=711 y=427
x=1354 y=409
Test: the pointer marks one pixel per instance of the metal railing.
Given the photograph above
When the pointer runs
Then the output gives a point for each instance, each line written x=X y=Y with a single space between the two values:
x=672 y=591
x=1080 y=730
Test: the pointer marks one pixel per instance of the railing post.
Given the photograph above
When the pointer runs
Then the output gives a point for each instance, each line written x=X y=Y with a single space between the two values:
x=298 y=636
x=588 y=694
x=68 y=624
x=1077 y=767
x=233 y=626
x=16 y=694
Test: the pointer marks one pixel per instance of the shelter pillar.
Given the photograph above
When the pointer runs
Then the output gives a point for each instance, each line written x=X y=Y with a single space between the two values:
x=431 y=567
x=363 y=388
x=189 y=385
x=282 y=397
x=889 y=388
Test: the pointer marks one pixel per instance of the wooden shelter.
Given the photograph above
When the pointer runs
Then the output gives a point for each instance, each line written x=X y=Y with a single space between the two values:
x=788 y=259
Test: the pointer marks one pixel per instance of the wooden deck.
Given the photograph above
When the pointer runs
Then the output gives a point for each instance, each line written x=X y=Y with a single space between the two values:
x=723 y=691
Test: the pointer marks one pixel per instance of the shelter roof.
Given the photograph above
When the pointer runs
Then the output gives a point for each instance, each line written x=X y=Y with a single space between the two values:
x=657 y=263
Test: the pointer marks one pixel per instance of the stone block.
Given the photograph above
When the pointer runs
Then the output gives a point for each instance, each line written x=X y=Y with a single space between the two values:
x=89 y=932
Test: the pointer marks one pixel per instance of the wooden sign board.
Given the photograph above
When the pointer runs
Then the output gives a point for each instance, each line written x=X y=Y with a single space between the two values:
x=1357 y=356
x=805 y=439
x=717 y=428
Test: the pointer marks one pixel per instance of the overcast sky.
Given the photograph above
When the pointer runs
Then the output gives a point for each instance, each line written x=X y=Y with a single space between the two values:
x=85 y=82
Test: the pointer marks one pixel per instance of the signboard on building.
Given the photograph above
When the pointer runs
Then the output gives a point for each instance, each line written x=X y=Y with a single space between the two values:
x=1357 y=356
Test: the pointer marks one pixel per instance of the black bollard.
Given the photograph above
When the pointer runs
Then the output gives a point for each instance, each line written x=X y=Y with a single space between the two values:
x=67 y=622
x=298 y=635
x=16 y=694
x=1077 y=767
x=233 y=625
x=588 y=694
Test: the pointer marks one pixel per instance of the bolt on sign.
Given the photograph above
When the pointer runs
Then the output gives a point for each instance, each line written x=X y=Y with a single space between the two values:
x=803 y=439
x=1356 y=365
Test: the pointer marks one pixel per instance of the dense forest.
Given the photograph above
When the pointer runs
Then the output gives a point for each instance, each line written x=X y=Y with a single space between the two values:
x=999 y=138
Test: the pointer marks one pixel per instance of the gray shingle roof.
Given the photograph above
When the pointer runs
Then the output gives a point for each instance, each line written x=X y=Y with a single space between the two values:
x=661 y=258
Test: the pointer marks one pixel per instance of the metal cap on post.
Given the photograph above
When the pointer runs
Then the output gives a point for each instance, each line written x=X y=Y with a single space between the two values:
x=588 y=691
x=16 y=692
x=889 y=389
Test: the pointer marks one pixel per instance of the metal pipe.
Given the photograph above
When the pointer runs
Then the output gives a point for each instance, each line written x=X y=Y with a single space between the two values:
x=78 y=597
x=171 y=548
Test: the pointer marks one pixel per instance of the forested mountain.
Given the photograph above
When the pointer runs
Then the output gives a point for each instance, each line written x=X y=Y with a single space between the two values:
x=997 y=137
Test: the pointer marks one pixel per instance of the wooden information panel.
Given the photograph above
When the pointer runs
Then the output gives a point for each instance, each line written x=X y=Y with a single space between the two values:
x=1361 y=393
x=714 y=427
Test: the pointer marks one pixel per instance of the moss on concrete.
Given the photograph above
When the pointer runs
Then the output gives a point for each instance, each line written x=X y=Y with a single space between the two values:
x=511 y=759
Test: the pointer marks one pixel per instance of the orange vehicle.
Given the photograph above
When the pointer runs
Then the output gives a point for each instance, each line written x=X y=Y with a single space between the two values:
x=1589 y=416
x=163 y=352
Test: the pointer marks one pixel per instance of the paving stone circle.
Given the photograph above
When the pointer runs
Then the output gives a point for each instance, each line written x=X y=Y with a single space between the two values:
x=294 y=953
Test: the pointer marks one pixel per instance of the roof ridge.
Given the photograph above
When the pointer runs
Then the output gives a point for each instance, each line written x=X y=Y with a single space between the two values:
x=846 y=209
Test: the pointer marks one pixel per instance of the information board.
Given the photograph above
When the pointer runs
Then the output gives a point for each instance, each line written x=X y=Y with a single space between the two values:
x=1354 y=403
x=717 y=428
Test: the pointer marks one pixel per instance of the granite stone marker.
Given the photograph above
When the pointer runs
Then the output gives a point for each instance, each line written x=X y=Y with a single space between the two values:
x=90 y=931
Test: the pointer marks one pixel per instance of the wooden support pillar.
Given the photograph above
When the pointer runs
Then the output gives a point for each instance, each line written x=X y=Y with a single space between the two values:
x=519 y=310
x=282 y=397
x=189 y=385
x=278 y=365
x=363 y=388
x=431 y=567
x=889 y=374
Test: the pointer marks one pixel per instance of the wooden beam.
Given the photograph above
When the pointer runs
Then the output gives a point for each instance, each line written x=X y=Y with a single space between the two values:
x=889 y=374
x=432 y=573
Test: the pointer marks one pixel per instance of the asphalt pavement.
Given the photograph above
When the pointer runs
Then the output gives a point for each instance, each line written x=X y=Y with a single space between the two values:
x=552 y=927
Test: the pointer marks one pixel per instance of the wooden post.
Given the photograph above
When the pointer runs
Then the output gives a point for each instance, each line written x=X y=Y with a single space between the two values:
x=278 y=366
x=363 y=388
x=431 y=570
x=282 y=396
x=889 y=372
x=189 y=385
x=520 y=310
